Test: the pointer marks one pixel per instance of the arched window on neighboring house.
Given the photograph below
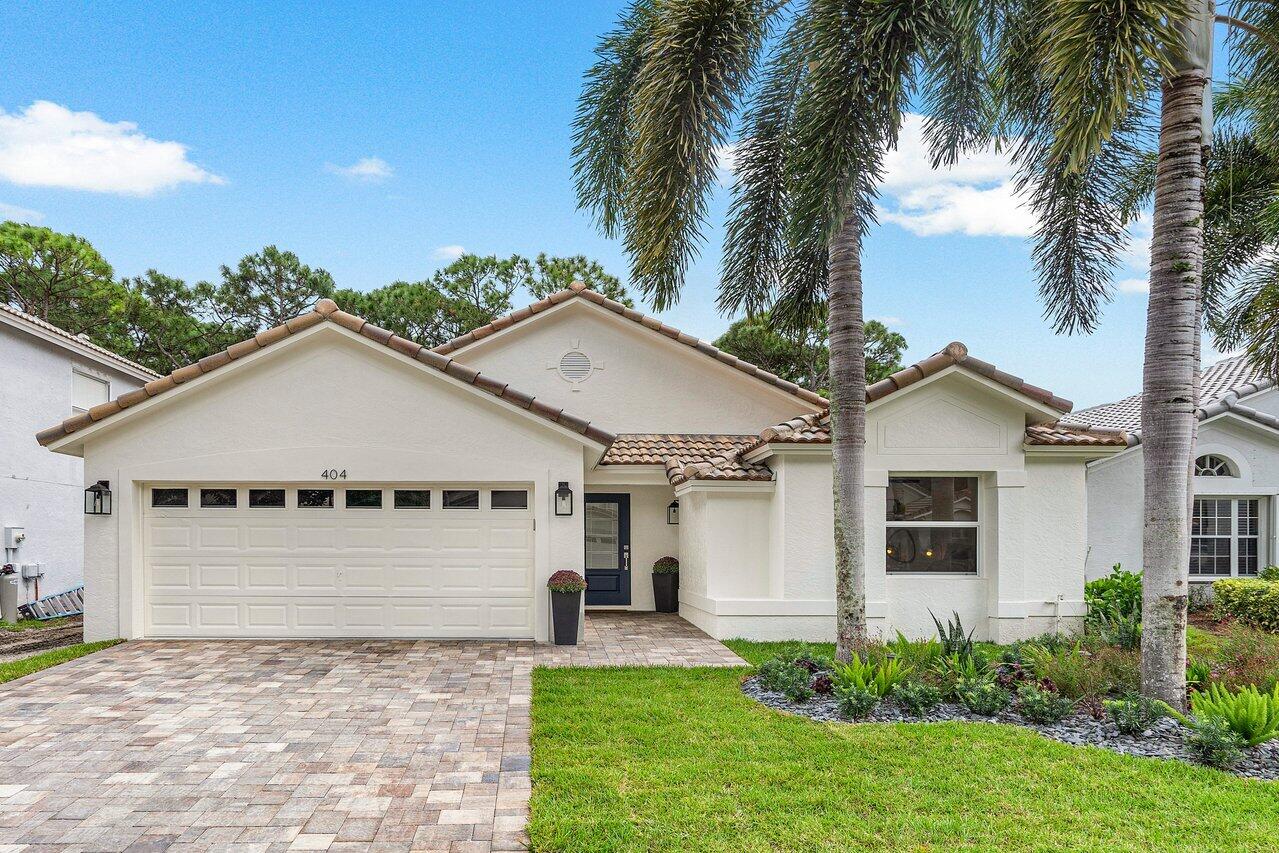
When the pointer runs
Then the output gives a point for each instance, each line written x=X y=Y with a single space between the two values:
x=1212 y=465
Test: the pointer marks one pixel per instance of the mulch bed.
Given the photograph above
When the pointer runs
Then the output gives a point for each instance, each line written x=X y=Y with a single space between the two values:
x=1164 y=739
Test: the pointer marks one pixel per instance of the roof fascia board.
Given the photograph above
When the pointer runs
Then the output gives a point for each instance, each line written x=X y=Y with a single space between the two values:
x=76 y=347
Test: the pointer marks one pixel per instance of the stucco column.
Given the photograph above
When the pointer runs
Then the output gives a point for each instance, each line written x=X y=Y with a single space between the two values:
x=1004 y=566
x=876 y=538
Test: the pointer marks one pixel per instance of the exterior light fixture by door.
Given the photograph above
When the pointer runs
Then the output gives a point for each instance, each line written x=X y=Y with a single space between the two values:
x=97 y=498
x=563 y=499
x=672 y=512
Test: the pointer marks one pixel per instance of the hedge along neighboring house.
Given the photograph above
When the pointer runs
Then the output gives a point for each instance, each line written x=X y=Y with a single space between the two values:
x=1236 y=480
x=47 y=373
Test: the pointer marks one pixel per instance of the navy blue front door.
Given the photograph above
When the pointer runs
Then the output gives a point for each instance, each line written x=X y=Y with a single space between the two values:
x=608 y=549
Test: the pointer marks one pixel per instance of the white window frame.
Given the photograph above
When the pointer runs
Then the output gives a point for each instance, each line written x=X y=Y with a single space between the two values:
x=75 y=371
x=1234 y=536
x=977 y=525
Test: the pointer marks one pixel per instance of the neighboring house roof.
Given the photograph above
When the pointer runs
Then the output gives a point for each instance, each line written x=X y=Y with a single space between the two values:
x=955 y=353
x=580 y=291
x=1222 y=387
x=688 y=456
x=326 y=310
x=75 y=343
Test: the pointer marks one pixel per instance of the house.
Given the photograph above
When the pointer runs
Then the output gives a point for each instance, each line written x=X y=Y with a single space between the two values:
x=46 y=374
x=327 y=478
x=1236 y=479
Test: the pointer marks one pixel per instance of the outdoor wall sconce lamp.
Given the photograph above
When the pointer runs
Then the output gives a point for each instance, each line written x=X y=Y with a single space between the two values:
x=563 y=499
x=672 y=512
x=97 y=498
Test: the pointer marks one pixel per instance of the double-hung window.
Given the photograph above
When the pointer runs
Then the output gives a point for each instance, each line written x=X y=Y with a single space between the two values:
x=1225 y=537
x=932 y=525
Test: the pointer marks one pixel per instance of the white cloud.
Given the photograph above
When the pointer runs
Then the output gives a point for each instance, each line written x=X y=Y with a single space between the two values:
x=368 y=169
x=889 y=321
x=974 y=197
x=19 y=214
x=448 y=253
x=1134 y=285
x=48 y=145
x=726 y=163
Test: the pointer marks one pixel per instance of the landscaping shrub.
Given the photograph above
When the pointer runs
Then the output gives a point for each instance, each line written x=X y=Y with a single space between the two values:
x=1252 y=715
x=1118 y=594
x=804 y=656
x=878 y=678
x=779 y=672
x=984 y=698
x=1121 y=631
x=1269 y=573
x=823 y=684
x=954 y=670
x=1198 y=674
x=1042 y=706
x=856 y=702
x=917 y=698
x=1248 y=656
x=919 y=655
x=666 y=566
x=1250 y=600
x=1071 y=671
x=1133 y=713
x=795 y=683
x=952 y=637
x=1212 y=742
x=1115 y=671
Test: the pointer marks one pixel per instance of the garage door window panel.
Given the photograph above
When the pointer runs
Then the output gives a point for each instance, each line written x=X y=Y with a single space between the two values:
x=169 y=498
x=315 y=498
x=461 y=499
x=363 y=498
x=412 y=498
x=218 y=498
x=508 y=499
x=266 y=498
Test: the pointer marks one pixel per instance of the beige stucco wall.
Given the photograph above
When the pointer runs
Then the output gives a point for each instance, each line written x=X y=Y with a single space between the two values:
x=325 y=399
x=651 y=536
x=644 y=381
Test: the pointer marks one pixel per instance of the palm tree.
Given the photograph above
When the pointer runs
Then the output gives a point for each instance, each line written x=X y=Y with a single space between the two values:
x=823 y=84
x=1087 y=88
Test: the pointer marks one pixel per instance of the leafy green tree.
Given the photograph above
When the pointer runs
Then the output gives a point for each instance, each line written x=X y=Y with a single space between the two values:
x=804 y=358
x=824 y=85
x=472 y=291
x=164 y=323
x=268 y=288
x=57 y=277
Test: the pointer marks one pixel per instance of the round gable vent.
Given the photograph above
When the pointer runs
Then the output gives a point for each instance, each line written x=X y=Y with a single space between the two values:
x=575 y=366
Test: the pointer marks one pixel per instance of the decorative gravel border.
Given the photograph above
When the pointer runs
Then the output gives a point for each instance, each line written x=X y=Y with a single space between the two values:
x=1164 y=739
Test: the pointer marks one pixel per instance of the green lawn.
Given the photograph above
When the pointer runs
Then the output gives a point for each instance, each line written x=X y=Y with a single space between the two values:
x=29 y=624
x=679 y=759
x=44 y=660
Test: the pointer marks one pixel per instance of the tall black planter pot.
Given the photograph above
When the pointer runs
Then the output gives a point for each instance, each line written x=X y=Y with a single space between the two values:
x=666 y=592
x=566 y=609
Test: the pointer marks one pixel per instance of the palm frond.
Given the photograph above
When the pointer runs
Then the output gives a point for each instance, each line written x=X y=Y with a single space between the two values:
x=696 y=66
x=602 y=129
x=1255 y=67
x=755 y=239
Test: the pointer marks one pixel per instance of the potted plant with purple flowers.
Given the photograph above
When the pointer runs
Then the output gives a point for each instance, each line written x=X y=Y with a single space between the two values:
x=566 y=605
x=666 y=585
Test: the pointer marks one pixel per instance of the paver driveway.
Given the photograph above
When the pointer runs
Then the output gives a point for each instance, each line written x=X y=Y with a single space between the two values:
x=315 y=745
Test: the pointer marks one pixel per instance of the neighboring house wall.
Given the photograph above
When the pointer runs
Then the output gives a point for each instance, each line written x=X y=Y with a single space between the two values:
x=39 y=490
x=638 y=380
x=1115 y=488
x=326 y=399
x=776 y=581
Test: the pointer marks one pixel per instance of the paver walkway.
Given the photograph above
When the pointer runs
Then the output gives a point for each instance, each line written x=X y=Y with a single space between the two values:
x=294 y=745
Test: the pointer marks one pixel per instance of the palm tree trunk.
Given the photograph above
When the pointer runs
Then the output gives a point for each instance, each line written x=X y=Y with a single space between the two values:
x=1169 y=385
x=848 y=433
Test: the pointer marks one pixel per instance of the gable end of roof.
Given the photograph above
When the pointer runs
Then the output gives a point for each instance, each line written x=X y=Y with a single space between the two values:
x=326 y=310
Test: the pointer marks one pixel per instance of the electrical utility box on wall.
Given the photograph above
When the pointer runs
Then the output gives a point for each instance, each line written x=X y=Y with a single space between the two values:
x=31 y=571
x=13 y=536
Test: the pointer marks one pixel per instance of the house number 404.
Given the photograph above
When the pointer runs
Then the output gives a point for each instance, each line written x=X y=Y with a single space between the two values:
x=333 y=474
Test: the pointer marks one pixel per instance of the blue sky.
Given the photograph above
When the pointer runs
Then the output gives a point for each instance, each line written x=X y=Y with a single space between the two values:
x=373 y=139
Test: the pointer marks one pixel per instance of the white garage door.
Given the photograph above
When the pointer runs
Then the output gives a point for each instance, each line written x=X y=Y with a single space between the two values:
x=344 y=561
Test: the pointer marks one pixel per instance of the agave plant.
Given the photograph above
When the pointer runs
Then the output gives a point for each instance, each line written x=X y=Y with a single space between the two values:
x=1249 y=713
x=953 y=639
x=878 y=678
